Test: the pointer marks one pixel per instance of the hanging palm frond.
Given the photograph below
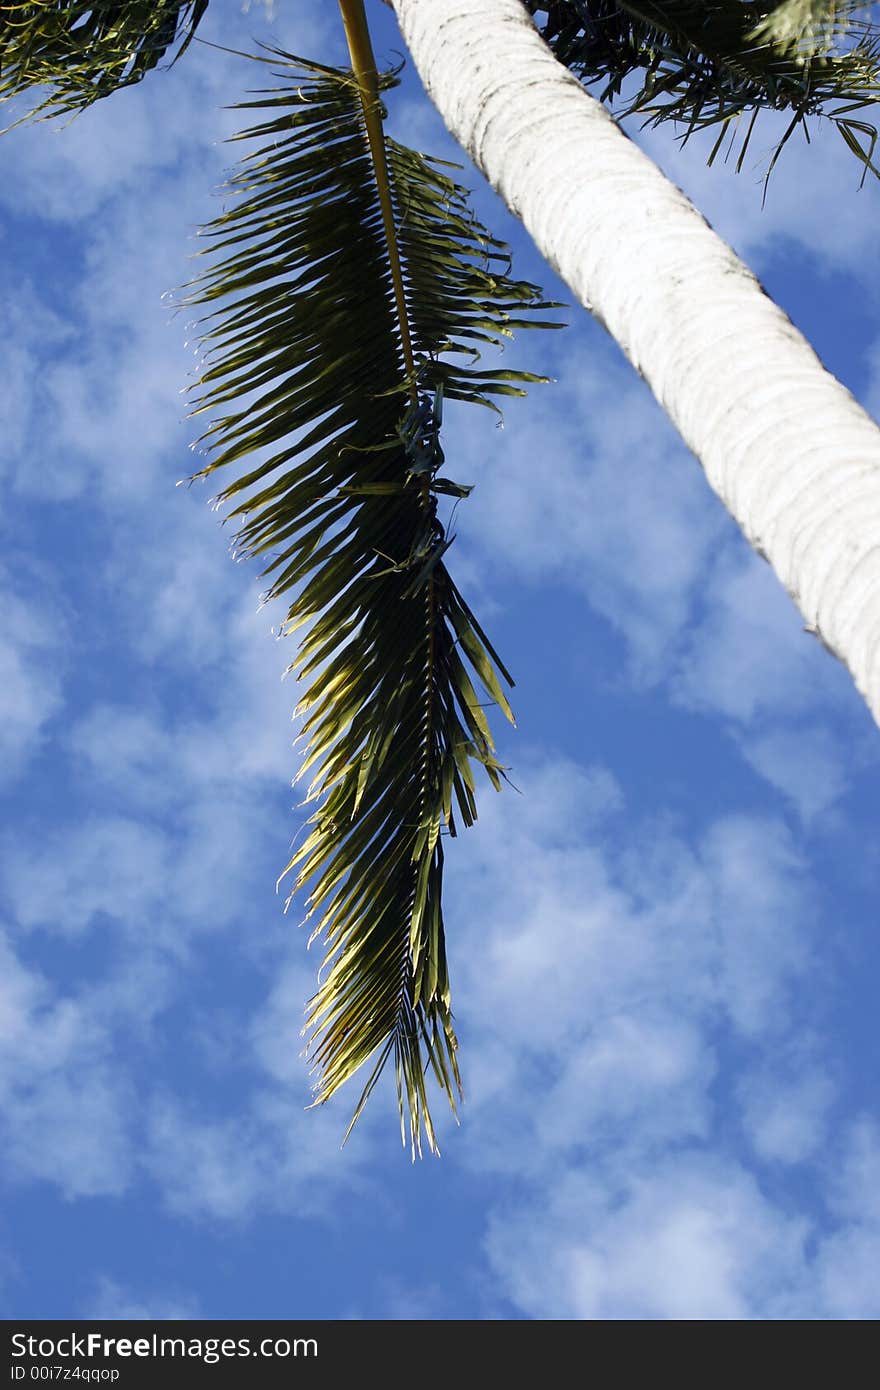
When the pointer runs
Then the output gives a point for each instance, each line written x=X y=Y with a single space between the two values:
x=84 y=51
x=346 y=329
x=718 y=63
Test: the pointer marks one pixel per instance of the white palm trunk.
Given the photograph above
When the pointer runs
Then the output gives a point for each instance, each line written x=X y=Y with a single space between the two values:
x=792 y=455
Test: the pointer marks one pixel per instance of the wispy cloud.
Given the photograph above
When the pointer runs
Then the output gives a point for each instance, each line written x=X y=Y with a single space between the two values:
x=66 y=1107
x=113 y=1301
x=32 y=656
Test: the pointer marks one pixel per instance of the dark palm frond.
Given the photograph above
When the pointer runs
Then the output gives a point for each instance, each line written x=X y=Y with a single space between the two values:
x=82 y=51
x=338 y=481
x=720 y=63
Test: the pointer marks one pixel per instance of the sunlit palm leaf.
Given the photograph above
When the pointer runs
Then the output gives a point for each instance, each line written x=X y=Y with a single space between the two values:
x=719 y=63
x=808 y=27
x=83 y=51
x=340 y=494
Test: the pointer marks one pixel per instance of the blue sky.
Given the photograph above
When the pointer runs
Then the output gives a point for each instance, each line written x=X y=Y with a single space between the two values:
x=664 y=951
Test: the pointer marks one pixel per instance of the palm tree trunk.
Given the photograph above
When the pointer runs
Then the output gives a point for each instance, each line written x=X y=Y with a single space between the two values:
x=792 y=455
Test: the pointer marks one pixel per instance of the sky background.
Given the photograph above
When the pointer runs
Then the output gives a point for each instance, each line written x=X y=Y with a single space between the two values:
x=664 y=951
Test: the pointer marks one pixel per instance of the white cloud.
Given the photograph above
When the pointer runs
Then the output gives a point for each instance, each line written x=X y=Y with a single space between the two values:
x=848 y=1274
x=748 y=653
x=273 y=1152
x=785 y=1118
x=32 y=651
x=596 y=961
x=272 y=1155
x=688 y=1238
x=849 y=1256
x=194 y=874
x=129 y=749
x=33 y=331
x=209 y=1167
x=114 y=1302
x=66 y=1111
x=395 y=1300
x=109 y=398
x=80 y=1114
x=277 y=1030
x=807 y=763
x=872 y=395
x=114 y=866
x=855 y=1183
x=651 y=1072
x=582 y=930
x=762 y=913
x=73 y=1130
x=612 y=507
x=19 y=369
x=177 y=796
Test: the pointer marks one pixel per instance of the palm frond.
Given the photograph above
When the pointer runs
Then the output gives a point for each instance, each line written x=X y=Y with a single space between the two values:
x=82 y=50
x=337 y=486
x=719 y=63
x=806 y=27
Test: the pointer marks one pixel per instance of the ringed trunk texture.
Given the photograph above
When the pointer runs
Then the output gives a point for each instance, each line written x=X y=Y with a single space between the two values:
x=791 y=454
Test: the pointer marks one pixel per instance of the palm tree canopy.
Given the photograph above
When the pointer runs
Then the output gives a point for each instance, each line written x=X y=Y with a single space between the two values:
x=705 y=63
x=84 y=51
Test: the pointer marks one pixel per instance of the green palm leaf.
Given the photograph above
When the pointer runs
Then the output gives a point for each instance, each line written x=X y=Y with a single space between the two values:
x=337 y=488
x=719 y=63
x=83 y=51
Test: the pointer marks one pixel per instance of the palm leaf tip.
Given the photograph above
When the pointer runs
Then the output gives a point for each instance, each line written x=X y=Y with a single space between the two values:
x=82 y=51
x=333 y=430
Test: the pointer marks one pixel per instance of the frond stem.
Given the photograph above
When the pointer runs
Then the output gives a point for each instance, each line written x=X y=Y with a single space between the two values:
x=363 y=64
x=364 y=67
